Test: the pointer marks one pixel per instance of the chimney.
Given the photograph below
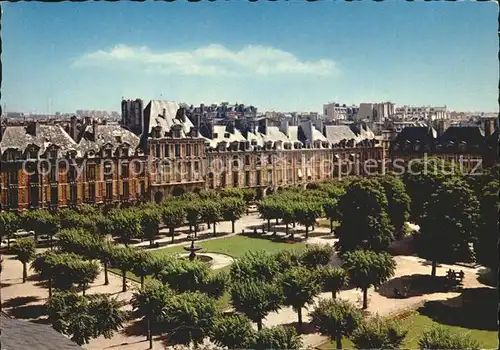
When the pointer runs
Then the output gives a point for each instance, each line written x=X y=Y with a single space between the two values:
x=164 y=113
x=319 y=125
x=489 y=127
x=34 y=128
x=72 y=128
x=210 y=128
x=263 y=126
x=94 y=129
x=284 y=126
x=230 y=126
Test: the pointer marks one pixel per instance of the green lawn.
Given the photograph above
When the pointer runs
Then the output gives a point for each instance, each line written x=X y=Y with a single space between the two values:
x=235 y=246
x=418 y=323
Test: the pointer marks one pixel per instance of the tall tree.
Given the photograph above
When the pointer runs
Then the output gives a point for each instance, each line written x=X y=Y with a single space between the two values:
x=143 y=265
x=123 y=258
x=333 y=279
x=307 y=212
x=364 y=223
x=190 y=318
x=9 y=223
x=232 y=209
x=379 y=333
x=448 y=224
x=173 y=217
x=336 y=318
x=317 y=255
x=150 y=221
x=255 y=265
x=126 y=224
x=300 y=286
x=330 y=207
x=485 y=245
x=210 y=212
x=84 y=272
x=422 y=178
x=398 y=202
x=193 y=215
x=233 y=332
x=45 y=266
x=278 y=337
x=150 y=303
x=85 y=317
x=24 y=250
x=256 y=299
x=104 y=251
x=367 y=268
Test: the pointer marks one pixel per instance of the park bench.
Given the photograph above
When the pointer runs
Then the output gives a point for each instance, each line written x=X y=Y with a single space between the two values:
x=455 y=276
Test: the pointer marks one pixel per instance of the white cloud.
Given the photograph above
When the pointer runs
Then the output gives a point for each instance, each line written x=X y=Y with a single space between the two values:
x=209 y=60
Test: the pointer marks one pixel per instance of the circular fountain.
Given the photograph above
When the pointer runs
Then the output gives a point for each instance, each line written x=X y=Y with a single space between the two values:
x=192 y=249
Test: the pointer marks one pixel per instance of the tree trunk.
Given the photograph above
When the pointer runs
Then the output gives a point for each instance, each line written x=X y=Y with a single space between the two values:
x=259 y=325
x=190 y=229
x=293 y=225
x=307 y=232
x=149 y=335
x=172 y=233
x=195 y=230
x=50 y=287
x=338 y=341
x=434 y=265
x=106 y=279
x=331 y=225
x=208 y=224
x=25 y=272
x=215 y=232
x=83 y=289
x=232 y=226
x=268 y=224
x=334 y=294
x=299 y=313
x=276 y=221
x=142 y=281
x=286 y=228
x=124 y=281
x=50 y=242
x=365 y=298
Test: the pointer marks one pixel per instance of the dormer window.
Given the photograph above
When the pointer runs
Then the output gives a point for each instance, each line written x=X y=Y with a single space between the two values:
x=53 y=153
x=226 y=135
x=32 y=154
x=108 y=153
x=254 y=142
x=118 y=139
x=125 y=152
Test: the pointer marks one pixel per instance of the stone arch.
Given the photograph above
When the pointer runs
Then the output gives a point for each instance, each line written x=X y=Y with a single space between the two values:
x=178 y=191
x=158 y=197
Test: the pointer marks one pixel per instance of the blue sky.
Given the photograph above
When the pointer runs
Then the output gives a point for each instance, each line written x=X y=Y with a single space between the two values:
x=276 y=56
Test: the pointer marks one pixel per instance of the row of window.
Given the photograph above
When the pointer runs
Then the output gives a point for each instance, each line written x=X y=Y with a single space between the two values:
x=178 y=150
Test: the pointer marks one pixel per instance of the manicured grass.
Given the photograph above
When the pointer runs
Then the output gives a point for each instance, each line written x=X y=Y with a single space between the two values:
x=235 y=246
x=417 y=323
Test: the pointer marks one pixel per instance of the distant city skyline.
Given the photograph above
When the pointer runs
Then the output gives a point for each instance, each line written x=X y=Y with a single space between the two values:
x=275 y=56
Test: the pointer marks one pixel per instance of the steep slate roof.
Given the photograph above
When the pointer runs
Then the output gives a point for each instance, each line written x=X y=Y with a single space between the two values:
x=471 y=135
x=413 y=134
x=17 y=137
x=337 y=133
x=23 y=335
x=155 y=117
x=113 y=134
